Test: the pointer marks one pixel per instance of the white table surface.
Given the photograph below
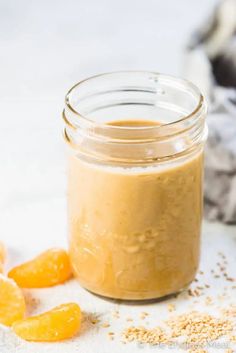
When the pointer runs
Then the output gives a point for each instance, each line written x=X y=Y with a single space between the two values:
x=46 y=47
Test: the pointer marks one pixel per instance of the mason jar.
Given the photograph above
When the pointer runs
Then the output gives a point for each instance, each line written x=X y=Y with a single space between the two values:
x=135 y=169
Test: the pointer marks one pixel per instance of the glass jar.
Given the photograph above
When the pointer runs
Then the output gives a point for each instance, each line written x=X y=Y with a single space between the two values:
x=135 y=168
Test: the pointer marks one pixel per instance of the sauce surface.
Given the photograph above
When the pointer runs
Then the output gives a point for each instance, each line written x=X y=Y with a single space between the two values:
x=135 y=233
x=134 y=123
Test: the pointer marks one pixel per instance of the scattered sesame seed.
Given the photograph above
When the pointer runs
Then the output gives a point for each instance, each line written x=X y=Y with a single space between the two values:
x=116 y=314
x=208 y=301
x=230 y=312
x=143 y=315
x=199 y=327
x=106 y=324
x=129 y=319
x=190 y=292
x=171 y=307
x=94 y=321
x=143 y=335
x=194 y=327
x=230 y=279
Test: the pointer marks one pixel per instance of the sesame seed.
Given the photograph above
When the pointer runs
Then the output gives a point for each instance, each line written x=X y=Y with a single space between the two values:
x=129 y=319
x=230 y=279
x=195 y=328
x=171 y=307
x=143 y=335
x=105 y=325
x=94 y=321
x=199 y=327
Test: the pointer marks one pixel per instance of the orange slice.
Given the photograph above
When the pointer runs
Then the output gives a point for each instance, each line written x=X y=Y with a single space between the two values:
x=57 y=324
x=2 y=256
x=12 y=303
x=47 y=269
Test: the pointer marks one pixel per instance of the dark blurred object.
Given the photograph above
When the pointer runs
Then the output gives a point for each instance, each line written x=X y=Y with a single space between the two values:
x=224 y=66
x=211 y=64
x=211 y=52
x=220 y=168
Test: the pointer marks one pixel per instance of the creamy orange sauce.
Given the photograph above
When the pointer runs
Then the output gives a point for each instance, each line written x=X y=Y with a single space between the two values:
x=135 y=233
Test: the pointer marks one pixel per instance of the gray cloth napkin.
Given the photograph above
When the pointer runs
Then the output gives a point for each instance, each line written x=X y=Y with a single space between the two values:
x=210 y=62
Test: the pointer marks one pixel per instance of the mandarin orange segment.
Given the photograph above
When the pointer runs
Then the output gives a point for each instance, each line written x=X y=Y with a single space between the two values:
x=57 y=324
x=12 y=303
x=2 y=256
x=47 y=269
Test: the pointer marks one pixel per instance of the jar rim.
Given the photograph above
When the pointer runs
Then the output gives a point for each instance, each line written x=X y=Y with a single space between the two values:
x=200 y=105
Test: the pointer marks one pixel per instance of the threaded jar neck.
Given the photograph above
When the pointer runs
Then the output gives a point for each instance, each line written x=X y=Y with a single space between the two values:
x=175 y=106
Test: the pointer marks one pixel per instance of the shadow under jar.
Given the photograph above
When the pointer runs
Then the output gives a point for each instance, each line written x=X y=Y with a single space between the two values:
x=135 y=169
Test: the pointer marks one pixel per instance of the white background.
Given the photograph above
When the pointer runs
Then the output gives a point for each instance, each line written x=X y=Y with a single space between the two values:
x=45 y=47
